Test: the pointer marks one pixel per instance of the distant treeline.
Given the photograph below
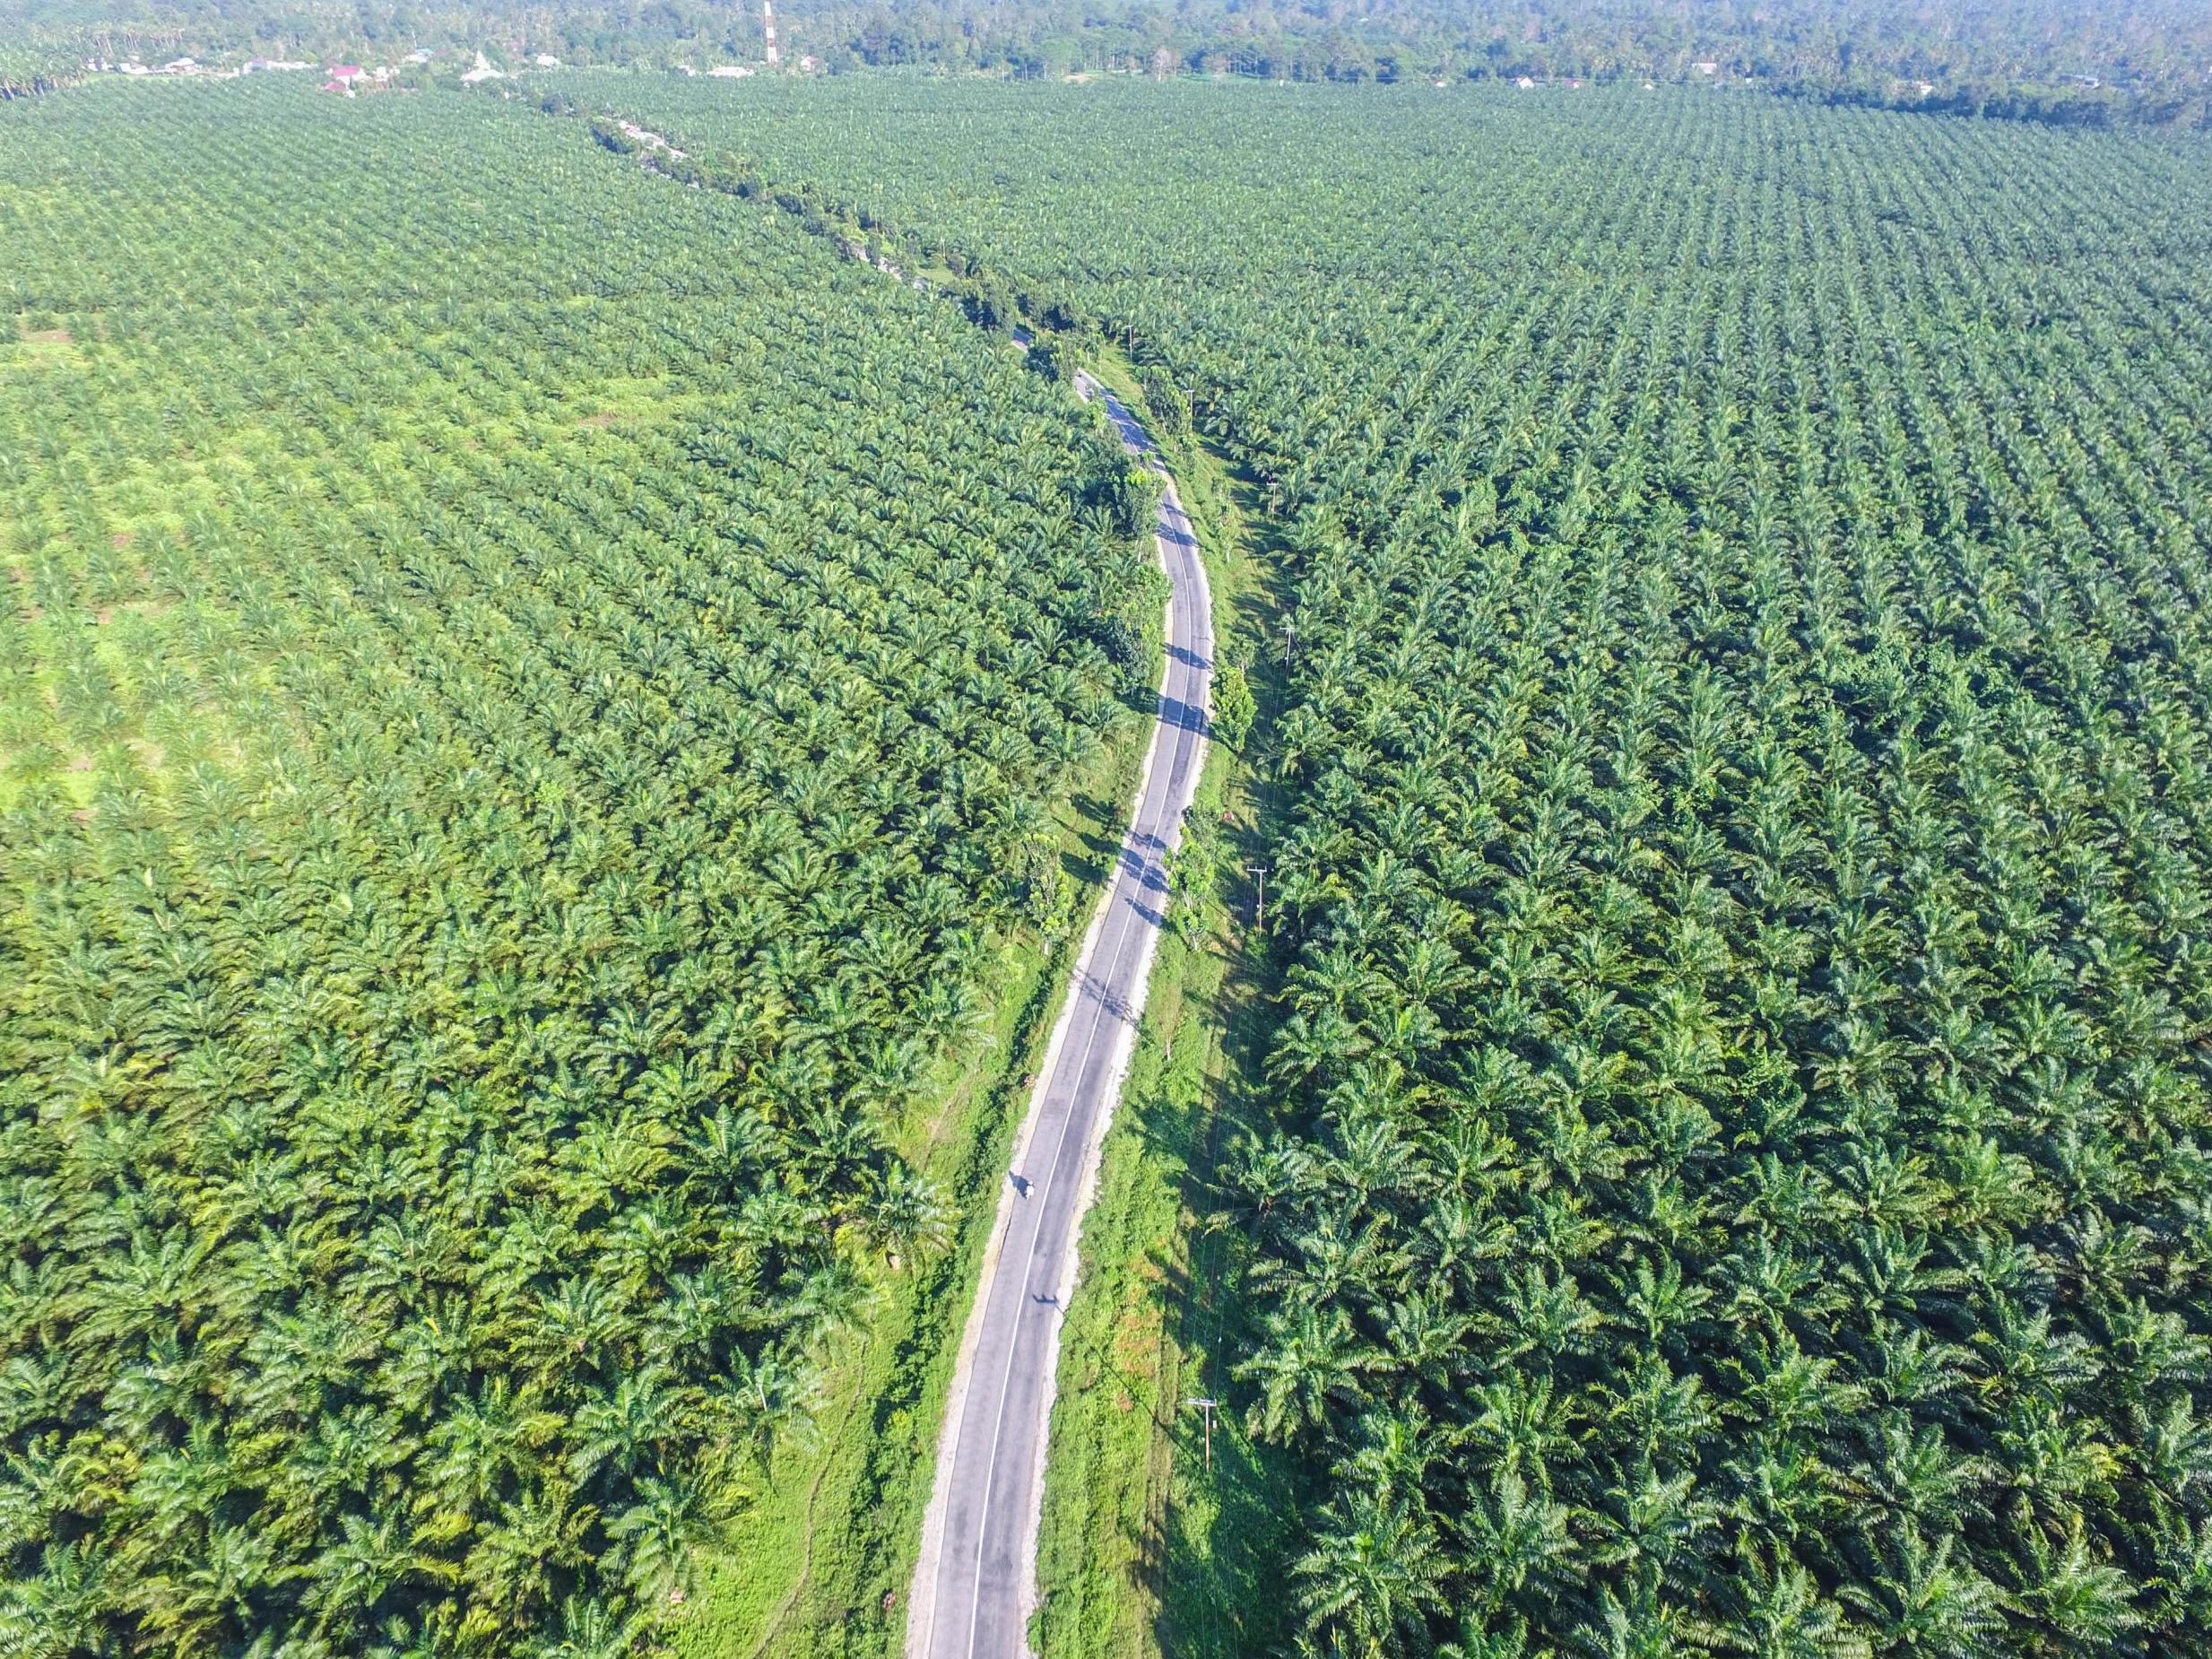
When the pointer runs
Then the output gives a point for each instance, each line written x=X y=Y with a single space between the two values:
x=2049 y=60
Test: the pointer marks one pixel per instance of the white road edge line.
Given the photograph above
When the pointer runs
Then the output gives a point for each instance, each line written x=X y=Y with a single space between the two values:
x=1006 y=1381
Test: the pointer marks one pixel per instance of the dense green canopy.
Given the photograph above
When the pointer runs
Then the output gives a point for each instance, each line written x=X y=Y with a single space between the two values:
x=528 y=696
x=1737 y=1173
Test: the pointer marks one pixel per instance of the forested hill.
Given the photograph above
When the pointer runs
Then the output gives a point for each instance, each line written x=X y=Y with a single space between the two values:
x=2146 y=61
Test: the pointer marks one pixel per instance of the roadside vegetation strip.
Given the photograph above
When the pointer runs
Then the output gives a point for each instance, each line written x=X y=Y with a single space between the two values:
x=975 y=1580
x=1146 y=1545
x=517 y=770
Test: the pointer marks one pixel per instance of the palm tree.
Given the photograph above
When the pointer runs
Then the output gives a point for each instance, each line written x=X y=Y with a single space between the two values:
x=1309 y=1359
x=657 y=1539
x=761 y=1403
x=372 y=1557
x=63 y=1607
x=620 y=1430
x=905 y=1214
x=1518 y=1544
x=1373 y=1577
x=538 y=1542
x=589 y=1629
x=2078 y=1603
x=1777 y=1612
x=1919 y=1602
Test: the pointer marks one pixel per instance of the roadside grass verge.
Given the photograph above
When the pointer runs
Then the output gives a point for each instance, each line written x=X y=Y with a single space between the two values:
x=1145 y=1550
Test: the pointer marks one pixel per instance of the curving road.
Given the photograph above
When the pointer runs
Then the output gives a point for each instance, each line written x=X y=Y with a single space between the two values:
x=975 y=1584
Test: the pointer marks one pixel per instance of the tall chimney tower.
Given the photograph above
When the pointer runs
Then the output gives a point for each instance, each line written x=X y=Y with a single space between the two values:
x=768 y=28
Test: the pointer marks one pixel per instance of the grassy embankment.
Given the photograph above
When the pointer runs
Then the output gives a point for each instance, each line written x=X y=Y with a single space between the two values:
x=1144 y=1551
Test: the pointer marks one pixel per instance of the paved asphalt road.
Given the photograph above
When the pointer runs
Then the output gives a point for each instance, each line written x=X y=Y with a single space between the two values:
x=975 y=1585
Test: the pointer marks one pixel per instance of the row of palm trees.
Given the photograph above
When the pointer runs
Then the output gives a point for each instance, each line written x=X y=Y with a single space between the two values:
x=523 y=731
x=1729 y=1172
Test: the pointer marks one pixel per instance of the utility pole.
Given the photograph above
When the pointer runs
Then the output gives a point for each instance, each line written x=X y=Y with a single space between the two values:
x=768 y=28
x=1291 y=639
x=1259 y=919
x=1207 y=1406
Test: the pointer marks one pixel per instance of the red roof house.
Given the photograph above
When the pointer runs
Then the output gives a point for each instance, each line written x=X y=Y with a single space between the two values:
x=348 y=72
